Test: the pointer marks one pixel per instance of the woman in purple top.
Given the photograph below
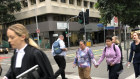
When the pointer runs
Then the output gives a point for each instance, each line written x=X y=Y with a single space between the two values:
x=113 y=56
x=84 y=58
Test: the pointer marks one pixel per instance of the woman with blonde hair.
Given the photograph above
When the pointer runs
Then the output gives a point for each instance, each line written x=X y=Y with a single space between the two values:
x=135 y=54
x=116 y=41
x=26 y=55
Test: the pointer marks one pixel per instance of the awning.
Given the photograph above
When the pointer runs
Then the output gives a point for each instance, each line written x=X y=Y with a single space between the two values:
x=110 y=27
x=100 y=25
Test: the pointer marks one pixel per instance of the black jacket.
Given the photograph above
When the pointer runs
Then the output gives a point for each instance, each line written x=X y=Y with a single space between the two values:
x=31 y=58
x=135 y=51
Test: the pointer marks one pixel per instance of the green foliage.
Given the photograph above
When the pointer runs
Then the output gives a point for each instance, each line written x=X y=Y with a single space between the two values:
x=7 y=8
x=127 y=11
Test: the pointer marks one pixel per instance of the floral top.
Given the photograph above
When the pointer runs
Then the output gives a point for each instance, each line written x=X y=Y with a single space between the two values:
x=84 y=58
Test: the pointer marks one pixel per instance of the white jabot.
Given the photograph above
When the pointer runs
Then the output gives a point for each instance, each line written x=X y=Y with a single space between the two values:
x=20 y=55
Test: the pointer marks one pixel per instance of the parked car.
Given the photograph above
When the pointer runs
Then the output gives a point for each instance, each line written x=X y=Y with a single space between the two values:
x=3 y=50
x=4 y=47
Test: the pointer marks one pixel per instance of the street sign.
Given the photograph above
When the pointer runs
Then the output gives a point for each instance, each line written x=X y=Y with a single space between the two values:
x=38 y=30
x=55 y=35
x=68 y=35
x=61 y=25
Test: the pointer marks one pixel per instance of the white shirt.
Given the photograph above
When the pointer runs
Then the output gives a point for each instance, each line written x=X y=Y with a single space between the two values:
x=62 y=46
x=20 y=55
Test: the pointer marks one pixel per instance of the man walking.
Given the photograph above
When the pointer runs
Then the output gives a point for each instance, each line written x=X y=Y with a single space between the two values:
x=59 y=52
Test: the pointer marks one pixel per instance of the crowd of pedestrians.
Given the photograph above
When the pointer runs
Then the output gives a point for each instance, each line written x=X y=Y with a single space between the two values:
x=28 y=54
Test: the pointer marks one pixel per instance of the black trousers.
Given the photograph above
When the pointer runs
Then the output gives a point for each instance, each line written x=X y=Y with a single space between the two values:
x=137 y=69
x=61 y=62
x=113 y=71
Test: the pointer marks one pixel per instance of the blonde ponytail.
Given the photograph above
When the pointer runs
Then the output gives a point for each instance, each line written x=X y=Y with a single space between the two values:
x=33 y=43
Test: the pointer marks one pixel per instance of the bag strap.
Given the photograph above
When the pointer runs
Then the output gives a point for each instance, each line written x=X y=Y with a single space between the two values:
x=58 y=43
x=113 y=48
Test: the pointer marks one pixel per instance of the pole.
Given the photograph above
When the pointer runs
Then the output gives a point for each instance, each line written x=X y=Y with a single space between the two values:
x=68 y=29
x=114 y=31
x=68 y=35
x=37 y=24
x=84 y=25
x=104 y=35
x=125 y=38
x=127 y=42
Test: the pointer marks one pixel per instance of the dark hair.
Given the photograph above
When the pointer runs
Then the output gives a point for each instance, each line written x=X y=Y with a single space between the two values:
x=84 y=42
x=109 y=38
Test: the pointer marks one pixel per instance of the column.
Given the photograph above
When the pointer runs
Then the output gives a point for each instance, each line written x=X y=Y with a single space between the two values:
x=37 y=2
x=59 y=1
x=82 y=3
x=88 y=5
x=67 y=1
x=29 y=3
x=75 y=3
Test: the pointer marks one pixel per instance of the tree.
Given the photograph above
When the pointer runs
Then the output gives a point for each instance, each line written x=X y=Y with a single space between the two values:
x=127 y=12
x=7 y=8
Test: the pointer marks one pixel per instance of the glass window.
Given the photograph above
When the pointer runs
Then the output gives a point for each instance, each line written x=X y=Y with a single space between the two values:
x=64 y=18
x=91 y=19
x=24 y=3
x=33 y=2
x=63 y=1
x=33 y=20
x=91 y=4
x=71 y=1
x=79 y=2
x=85 y=3
x=41 y=0
x=54 y=0
x=42 y=18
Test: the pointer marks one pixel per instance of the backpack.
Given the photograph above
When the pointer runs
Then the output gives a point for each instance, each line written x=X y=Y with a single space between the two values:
x=115 y=51
x=56 y=47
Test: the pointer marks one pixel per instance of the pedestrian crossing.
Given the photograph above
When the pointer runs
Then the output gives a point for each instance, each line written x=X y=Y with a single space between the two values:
x=77 y=77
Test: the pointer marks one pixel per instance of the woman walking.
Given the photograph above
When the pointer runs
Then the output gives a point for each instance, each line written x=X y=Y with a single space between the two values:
x=135 y=47
x=116 y=41
x=84 y=59
x=26 y=55
x=113 y=56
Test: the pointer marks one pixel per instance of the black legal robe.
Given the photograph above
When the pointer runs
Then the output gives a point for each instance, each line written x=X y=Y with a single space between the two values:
x=31 y=58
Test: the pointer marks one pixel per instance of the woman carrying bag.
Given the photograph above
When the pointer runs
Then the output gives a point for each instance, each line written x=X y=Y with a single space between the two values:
x=26 y=55
x=113 y=56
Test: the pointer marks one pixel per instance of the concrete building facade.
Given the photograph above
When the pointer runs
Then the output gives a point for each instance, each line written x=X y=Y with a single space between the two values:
x=52 y=16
